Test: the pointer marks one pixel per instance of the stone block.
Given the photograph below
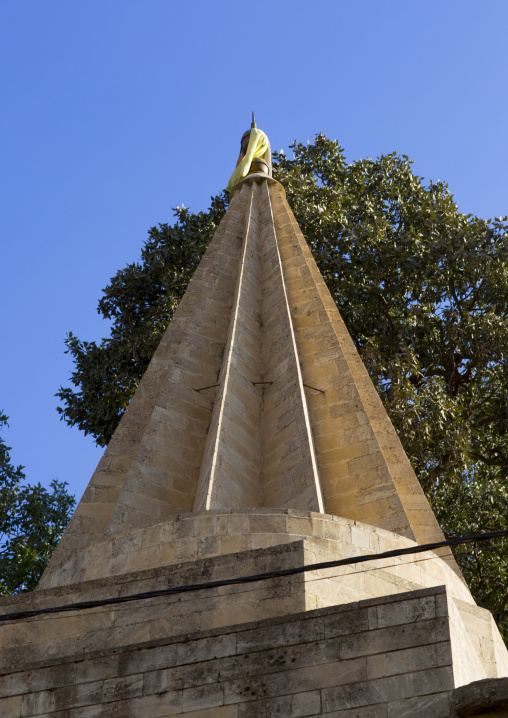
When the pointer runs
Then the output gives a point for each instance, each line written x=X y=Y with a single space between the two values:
x=372 y=642
x=294 y=632
x=436 y=705
x=206 y=648
x=15 y=683
x=46 y=679
x=418 y=609
x=202 y=697
x=236 y=543
x=300 y=526
x=10 y=707
x=262 y=540
x=216 y=712
x=411 y=659
x=33 y=704
x=186 y=676
x=155 y=706
x=170 y=552
x=379 y=710
x=140 y=661
x=485 y=698
x=77 y=695
x=296 y=706
x=292 y=681
x=346 y=623
x=360 y=539
x=280 y=659
x=123 y=688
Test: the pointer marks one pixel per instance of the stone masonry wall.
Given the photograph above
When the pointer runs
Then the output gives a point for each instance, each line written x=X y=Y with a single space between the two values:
x=477 y=647
x=381 y=658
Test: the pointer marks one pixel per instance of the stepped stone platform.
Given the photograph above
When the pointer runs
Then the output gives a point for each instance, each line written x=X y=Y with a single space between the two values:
x=387 y=657
x=417 y=621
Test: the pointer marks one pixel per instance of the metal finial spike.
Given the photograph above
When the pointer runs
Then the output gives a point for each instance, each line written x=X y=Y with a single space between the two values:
x=253 y=123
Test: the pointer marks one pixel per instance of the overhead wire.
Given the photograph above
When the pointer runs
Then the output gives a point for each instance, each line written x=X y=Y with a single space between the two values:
x=351 y=560
x=307 y=582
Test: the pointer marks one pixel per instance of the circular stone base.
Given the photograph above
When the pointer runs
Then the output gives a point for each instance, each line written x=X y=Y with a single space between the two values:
x=194 y=536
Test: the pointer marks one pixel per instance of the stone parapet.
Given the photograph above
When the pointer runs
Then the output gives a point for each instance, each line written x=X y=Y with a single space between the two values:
x=388 y=657
x=474 y=639
x=207 y=534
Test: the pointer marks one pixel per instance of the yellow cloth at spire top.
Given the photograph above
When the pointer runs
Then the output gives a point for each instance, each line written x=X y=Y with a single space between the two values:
x=259 y=146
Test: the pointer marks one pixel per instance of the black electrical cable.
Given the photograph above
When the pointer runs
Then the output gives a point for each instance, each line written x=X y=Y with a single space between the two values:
x=257 y=577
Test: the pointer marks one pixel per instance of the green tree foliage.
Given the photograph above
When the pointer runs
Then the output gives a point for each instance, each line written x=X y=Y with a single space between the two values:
x=140 y=301
x=423 y=290
x=32 y=519
x=479 y=503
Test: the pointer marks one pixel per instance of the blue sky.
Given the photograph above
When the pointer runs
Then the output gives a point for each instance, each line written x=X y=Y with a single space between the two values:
x=116 y=111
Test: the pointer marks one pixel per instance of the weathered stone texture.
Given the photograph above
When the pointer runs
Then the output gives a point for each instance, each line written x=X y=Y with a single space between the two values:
x=327 y=662
x=212 y=533
x=166 y=422
x=365 y=473
x=389 y=657
x=255 y=397
x=254 y=418
x=259 y=448
x=486 y=698
x=109 y=627
x=231 y=463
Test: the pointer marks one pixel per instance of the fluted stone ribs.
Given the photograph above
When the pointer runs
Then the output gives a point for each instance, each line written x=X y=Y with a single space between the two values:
x=256 y=397
x=260 y=450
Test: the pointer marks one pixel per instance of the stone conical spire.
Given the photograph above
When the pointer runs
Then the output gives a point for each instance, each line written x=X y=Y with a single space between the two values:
x=256 y=397
x=254 y=443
